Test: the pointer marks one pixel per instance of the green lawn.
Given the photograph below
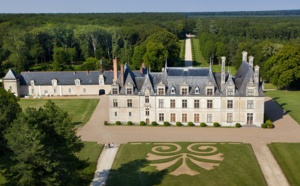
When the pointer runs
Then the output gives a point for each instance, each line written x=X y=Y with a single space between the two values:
x=288 y=100
x=288 y=157
x=239 y=166
x=269 y=86
x=197 y=55
x=182 y=49
x=79 y=109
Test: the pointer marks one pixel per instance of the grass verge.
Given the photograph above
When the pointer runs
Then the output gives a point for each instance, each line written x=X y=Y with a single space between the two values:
x=287 y=156
x=80 y=110
x=288 y=100
x=239 y=166
x=198 y=59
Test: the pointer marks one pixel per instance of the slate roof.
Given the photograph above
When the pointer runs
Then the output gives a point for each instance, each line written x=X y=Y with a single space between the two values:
x=10 y=75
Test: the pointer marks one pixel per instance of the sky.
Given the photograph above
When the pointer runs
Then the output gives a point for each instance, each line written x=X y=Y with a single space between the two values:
x=104 y=6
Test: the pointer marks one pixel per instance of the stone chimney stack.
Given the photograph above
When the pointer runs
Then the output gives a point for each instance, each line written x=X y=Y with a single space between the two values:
x=142 y=68
x=256 y=74
x=115 y=69
x=251 y=58
x=244 y=56
x=223 y=58
x=122 y=75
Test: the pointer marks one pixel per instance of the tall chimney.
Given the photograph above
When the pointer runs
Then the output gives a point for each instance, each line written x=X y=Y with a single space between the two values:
x=256 y=74
x=244 y=56
x=223 y=58
x=251 y=58
x=122 y=75
x=115 y=69
x=142 y=68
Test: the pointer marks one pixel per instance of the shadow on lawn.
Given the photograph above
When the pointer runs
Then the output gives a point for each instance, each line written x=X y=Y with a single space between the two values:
x=274 y=110
x=130 y=174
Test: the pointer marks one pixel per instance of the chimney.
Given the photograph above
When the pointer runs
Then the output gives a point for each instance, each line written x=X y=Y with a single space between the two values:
x=244 y=56
x=251 y=58
x=122 y=75
x=101 y=66
x=223 y=58
x=256 y=74
x=115 y=69
x=87 y=72
x=142 y=68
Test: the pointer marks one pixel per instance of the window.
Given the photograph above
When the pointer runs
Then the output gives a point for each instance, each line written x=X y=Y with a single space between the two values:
x=173 y=117
x=115 y=91
x=45 y=91
x=77 y=82
x=146 y=99
x=32 y=90
x=197 y=90
x=209 y=103
x=229 y=104
x=250 y=104
x=250 y=92
x=54 y=90
x=184 y=103
x=184 y=91
x=32 y=82
x=172 y=90
x=209 y=92
x=161 y=103
x=147 y=112
x=129 y=102
x=161 y=117
x=115 y=103
x=129 y=91
x=129 y=113
x=161 y=91
x=249 y=118
x=184 y=118
x=196 y=118
x=10 y=87
x=230 y=92
x=116 y=114
x=196 y=103
x=84 y=90
x=172 y=103
x=209 y=118
x=54 y=82
x=70 y=90
x=229 y=118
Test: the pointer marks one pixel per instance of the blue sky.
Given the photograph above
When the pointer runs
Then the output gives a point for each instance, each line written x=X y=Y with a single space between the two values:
x=101 y=6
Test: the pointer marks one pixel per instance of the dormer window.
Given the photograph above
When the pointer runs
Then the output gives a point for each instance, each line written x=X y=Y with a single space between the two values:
x=184 y=89
x=101 y=80
x=161 y=89
x=173 y=90
x=230 y=92
x=32 y=82
x=77 y=82
x=197 y=91
x=209 y=92
x=54 y=82
x=250 y=92
x=129 y=89
x=114 y=88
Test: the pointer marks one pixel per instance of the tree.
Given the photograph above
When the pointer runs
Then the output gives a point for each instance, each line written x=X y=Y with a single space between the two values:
x=284 y=67
x=137 y=57
x=155 y=56
x=9 y=109
x=43 y=144
x=90 y=64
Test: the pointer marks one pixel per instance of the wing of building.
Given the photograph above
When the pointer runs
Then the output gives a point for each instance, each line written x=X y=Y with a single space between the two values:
x=184 y=94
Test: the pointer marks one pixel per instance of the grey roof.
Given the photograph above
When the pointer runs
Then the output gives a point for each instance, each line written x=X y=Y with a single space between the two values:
x=10 y=75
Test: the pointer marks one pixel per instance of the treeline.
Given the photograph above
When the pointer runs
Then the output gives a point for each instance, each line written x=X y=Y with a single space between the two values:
x=79 y=41
x=265 y=38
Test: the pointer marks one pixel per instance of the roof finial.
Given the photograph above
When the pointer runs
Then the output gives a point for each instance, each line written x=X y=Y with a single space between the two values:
x=166 y=63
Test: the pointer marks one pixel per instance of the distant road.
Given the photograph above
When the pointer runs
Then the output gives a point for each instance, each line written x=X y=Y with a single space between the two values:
x=188 y=59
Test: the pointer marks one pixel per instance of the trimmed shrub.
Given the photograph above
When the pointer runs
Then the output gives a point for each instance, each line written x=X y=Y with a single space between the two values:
x=129 y=123
x=178 y=123
x=264 y=125
x=216 y=124
x=166 y=123
x=105 y=123
x=191 y=124
x=118 y=123
x=142 y=123
x=238 y=125
x=269 y=124
x=153 y=123
x=202 y=124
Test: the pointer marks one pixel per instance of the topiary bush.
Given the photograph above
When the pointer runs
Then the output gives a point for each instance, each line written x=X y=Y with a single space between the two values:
x=129 y=123
x=142 y=123
x=264 y=125
x=166 y=123
x=153 y=123
x=105 y=123
x=178 y=123
x=191 y=124
x=216 y=124
x=202 y=124
x=238 y=125
x=118 y=123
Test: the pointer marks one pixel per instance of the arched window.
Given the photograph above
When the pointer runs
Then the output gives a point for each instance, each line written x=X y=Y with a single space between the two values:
x=173 y=90
x=197 y=90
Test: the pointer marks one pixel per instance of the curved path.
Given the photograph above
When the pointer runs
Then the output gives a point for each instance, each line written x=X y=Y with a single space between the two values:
x=286 y=130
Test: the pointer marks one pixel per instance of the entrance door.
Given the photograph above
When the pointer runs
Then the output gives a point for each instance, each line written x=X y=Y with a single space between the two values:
x=101 y=92
x=249 y=118
x=147 y=121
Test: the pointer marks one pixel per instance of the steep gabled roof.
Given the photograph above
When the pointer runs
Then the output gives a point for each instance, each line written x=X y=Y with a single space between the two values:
x=10 y=75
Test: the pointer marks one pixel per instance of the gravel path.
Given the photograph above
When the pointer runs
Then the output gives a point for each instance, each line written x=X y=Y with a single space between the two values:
x=188 y=61
x=286 y=130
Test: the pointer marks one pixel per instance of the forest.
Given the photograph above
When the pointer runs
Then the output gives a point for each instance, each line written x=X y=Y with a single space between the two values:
x=40 y=42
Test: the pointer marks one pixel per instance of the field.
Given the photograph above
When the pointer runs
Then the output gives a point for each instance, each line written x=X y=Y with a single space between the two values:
x=288 y=100
x=288 y=157
x=185 y=164
x=80 y=110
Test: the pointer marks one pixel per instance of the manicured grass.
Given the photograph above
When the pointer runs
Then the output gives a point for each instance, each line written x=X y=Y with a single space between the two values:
x=288 y=157
x=80 y=110
x=239 y=167
x=182 y=49
x=197 y=55
x=90 y=152
x=288 y=100
x=269 y=86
